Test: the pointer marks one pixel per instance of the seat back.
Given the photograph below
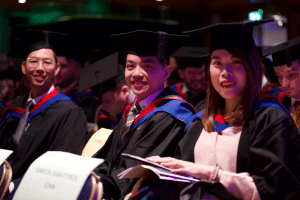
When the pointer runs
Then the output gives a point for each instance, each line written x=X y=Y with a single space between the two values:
x=97 y=187
x=5 y=178
x=96 y=142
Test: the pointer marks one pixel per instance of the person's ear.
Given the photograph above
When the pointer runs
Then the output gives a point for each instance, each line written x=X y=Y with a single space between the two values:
x=125 y=92
x=168 y=70
x=57 y=68
x=23 y=67
x=180 y=73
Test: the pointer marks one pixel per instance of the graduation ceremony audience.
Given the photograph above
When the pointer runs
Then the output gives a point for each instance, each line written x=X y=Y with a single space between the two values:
x=244 y=141
x=229 y=122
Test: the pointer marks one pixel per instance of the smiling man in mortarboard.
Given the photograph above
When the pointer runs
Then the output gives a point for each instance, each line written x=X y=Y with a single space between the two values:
x=45 y=119
x=154 y=123
x=192 y=72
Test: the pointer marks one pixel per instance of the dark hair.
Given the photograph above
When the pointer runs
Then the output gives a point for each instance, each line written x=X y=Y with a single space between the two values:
x=55 y=57
x=215 y=103
x=54 y=54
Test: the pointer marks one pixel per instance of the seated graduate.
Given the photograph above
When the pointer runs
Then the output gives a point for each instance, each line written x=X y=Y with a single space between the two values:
x=154 y=123
x=113 y=93
x=66 y=81
x=192 y=72
x=286 y=62
x=44 y=119
x=8 y=79
x=247 y=143
x=114 y=100
x=270 y=83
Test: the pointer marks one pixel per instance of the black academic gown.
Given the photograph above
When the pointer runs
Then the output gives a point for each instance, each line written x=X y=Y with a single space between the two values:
x=105 y=121
x=159 y=134
x=287 y=102
x=2 y=106
x=198 y=101
x=269 y=150
x=59 y=127
x=88 y=102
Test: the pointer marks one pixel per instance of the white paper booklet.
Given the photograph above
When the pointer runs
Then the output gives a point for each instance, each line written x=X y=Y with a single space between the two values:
x=161 y=172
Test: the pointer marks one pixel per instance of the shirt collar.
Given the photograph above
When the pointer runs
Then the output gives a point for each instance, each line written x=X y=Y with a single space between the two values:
x=36 y=100
x=146 y=102
x=294 y=99
x=184 y=88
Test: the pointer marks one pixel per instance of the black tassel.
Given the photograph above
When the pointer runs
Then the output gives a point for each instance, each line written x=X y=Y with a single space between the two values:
x=287 y=55
x=162 y=52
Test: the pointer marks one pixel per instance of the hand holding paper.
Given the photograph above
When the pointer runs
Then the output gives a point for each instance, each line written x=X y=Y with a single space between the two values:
x=184 y=167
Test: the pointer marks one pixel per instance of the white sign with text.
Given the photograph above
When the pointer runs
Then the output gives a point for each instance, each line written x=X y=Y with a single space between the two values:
x=4 y=154
x=56 y=175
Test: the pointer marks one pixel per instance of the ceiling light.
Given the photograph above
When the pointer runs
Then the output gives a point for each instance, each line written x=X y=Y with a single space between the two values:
x=280 y=23
x=158 y=0
x=22 y=1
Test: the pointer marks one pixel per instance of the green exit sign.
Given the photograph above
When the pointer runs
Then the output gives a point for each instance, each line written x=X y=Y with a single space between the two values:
x=256 y=15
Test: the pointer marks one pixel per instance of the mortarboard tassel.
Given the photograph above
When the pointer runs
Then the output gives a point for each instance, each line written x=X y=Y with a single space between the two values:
x=287 y=55
x=162 y=47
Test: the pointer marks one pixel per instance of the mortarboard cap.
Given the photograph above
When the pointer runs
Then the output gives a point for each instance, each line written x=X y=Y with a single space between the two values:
x=10 y=73
x=231 y=35
x=98 y=54
x=104 y=74
x=284 y=53
x=191 y=56
x=148 y=43
x=33 y=40
x=69 y=51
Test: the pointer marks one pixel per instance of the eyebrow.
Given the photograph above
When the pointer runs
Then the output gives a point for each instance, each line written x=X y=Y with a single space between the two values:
x=129 y=61
x=286 y=72
x=148 y=60
x=215 y=57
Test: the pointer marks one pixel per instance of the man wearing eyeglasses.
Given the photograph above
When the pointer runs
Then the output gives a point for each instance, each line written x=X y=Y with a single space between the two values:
x=45 y=119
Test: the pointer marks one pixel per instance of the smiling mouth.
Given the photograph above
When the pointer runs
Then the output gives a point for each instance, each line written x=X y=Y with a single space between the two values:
x=227 y=84
x=39 y=77
x=138 y=83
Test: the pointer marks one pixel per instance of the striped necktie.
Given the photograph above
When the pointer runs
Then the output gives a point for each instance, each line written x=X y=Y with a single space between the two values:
x=22 y=124
x=132 y=112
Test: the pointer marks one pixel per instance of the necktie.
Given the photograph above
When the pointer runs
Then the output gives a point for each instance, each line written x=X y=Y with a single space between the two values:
x=132 y=112
x=296 y=114
x=22 y=124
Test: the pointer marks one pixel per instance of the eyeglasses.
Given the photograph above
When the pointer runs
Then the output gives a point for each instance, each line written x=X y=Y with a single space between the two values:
x=47 y=63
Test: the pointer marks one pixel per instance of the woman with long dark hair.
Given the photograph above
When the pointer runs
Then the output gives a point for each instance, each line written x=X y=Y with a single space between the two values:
x=243 y=141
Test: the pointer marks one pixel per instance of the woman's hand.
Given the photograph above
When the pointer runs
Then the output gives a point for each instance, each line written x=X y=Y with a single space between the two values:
x=185 y=167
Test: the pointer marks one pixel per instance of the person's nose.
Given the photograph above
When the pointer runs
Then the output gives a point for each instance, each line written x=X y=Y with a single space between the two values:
x=285 y=82
x=137 y=71
x=40 y=68
x=227 y=71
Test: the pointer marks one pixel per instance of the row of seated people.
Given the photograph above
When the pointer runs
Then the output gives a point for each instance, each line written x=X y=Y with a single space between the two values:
x=246 y=141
